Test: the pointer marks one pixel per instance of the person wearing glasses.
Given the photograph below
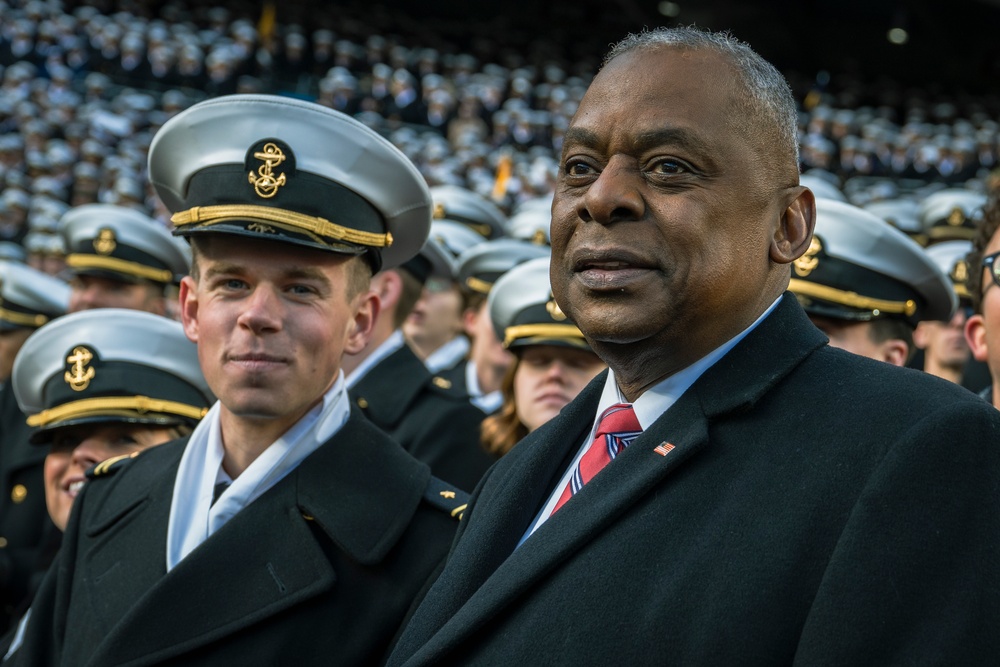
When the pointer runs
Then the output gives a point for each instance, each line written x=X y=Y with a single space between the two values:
x=867 y=285
x=982 y=330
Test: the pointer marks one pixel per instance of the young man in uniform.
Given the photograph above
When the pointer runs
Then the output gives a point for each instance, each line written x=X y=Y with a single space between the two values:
x=286 y=529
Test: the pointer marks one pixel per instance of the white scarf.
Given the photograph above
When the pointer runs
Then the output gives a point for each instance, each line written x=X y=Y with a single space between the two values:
x=193 y=517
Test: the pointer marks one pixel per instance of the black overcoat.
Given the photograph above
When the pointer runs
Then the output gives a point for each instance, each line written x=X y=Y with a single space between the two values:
x=809 y=507
x=320 y=570
x=26 y=531
x=426 y=415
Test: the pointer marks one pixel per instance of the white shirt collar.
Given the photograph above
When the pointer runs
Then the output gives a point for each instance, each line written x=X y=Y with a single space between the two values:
x=448 y=355
x=648 y=407
x=193 y=516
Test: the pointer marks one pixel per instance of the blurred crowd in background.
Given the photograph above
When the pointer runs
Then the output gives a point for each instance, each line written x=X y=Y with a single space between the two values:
x=85 y=87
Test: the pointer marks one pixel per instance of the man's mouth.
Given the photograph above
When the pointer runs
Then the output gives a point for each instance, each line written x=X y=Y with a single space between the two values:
x=609 y=269
x=73 y=488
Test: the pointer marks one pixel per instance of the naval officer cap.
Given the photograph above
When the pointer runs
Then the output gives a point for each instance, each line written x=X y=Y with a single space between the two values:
x=481 y=266
x=468 y=208
x=532 y=225
x=952 y=258
x=433 y=260
x=951 y=214
x=903 y=214
x=122 y=244
x=860 y=268
x=524 y=312
x=29 y=298
x=270 y=167
x=454 y=237
x=109 y=365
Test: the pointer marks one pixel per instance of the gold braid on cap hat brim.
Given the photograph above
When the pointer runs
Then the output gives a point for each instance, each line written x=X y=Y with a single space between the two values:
x=567 y=332
x=105 y=406
x=81 y=261
x=478 y=285
x=212 y=215
x=852 y=299
x=22 y=319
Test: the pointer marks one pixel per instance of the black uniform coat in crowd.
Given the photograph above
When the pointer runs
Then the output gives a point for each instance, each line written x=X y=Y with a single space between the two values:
x=25 y=527
x=817 y=508
x=319 y=570
x=430 y=418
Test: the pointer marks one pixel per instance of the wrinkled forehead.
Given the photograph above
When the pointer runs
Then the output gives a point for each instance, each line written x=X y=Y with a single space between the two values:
x=667 y=84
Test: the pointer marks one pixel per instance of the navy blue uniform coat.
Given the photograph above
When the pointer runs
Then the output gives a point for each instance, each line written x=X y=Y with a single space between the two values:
x=320 y=570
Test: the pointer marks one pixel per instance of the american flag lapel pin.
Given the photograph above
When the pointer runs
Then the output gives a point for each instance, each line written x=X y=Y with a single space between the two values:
x=663 y=448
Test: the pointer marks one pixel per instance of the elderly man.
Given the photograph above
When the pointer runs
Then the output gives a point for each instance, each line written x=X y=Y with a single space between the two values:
x=752 y=496
x=286 y=529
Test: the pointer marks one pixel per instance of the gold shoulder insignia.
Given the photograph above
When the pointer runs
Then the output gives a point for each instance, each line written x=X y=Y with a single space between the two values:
x=110 y=466
x=443 y=383
x=446 y=498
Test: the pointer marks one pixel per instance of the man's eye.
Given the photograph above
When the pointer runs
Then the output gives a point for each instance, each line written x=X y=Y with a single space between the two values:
x=670 y=167
x=578 y=168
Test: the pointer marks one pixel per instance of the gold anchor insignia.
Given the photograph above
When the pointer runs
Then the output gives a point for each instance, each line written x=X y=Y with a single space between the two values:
x=81 y=376
x=960 y=272
x=105 y=243
x=264 y=182
x=439 y=212
x=261 y=227
x=956 y=217
x=539 y=237
x=808 y=262
x=555 y=311
x=447 y=494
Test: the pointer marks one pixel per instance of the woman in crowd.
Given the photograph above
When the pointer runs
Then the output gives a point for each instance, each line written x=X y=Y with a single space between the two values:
x=553 y=361
x=100 y=386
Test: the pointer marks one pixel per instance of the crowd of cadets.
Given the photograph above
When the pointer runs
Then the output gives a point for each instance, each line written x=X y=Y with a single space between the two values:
x=903 y=191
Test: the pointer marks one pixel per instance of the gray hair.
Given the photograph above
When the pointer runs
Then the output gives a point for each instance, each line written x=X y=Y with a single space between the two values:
x=767 y=98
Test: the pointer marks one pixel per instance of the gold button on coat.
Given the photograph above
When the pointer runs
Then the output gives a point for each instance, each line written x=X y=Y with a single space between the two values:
x=19 y=493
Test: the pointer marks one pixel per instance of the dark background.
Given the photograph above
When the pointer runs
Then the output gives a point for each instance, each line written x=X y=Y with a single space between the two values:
x=953 y=44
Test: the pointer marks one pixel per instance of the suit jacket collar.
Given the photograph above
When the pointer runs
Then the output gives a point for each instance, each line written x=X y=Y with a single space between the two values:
x=483 y=575
x=360 y=488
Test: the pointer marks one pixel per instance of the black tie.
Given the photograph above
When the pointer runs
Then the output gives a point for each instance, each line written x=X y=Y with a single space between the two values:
x=218 y=490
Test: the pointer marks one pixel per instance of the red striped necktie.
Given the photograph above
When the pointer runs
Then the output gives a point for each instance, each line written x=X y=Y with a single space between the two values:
x=616 y=429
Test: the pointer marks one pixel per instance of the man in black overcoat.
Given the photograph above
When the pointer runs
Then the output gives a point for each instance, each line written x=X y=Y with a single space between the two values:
x=286 y=529
x=770 y=500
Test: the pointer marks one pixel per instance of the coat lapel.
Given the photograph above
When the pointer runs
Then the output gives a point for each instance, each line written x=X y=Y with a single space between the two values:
x=223 y=585
x=483 y=576
x=239 y=578
x=387 y=390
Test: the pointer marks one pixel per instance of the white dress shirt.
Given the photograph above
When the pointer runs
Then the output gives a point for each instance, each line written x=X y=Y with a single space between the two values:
x=648 y=408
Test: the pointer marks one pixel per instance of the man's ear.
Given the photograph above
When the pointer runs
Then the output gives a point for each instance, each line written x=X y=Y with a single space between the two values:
x=470 y=317
x=387 y=286
x=795 y=227
x=361 y=326
x=894 y=351
x=975 y=335
x=188 y=305
x=921 y=335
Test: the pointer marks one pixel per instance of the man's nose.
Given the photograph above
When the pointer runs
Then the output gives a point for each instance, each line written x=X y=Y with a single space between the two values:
x=262 y=311
x=615 y=196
